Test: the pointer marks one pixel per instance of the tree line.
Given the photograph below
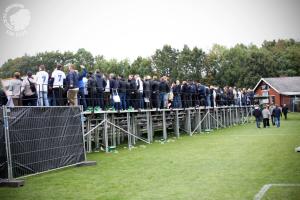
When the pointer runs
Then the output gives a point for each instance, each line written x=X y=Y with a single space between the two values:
x=241 y=65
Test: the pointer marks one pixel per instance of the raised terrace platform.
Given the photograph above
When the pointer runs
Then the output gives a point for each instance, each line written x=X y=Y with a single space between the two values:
x=108 y=129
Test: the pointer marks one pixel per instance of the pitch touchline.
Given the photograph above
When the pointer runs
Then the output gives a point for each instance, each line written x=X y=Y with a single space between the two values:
x=266 y=187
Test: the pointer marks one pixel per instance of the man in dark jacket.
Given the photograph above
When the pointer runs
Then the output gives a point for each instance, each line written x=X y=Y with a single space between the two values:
x=101 y=84
x=147 y=91
x=114 y=85
x=72 y=85
x=285 y=110
x=258 y=116
x=277 y=114
x=177 y=95
x=164 y=89
x=122 y=92
x=155 y=92
x=133 y=92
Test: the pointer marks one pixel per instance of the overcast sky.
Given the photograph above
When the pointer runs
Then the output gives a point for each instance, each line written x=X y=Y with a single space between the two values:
x=130 y=28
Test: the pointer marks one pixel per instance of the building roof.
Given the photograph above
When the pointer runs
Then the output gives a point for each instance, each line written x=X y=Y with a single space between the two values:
x=283 y=85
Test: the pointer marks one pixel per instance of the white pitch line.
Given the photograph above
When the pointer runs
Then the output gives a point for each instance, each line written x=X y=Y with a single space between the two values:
x=266 y=187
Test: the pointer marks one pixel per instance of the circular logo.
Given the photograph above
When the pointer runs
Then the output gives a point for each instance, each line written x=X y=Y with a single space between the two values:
x=16 y=18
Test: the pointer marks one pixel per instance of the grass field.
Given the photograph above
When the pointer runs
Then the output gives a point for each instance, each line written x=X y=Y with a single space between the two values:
x=232 y=163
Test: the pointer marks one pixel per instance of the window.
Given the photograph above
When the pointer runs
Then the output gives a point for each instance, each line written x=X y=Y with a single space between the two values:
x=265 y=87
x=265 y=93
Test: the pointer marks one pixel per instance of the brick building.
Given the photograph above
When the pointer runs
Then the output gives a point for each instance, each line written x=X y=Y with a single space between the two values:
x=280 y=90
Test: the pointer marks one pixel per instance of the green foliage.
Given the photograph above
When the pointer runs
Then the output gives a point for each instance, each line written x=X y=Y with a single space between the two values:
x=240 y=65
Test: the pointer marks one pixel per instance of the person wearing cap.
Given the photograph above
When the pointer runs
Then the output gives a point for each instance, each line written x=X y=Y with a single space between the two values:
x=29 y=91
x=15 y=89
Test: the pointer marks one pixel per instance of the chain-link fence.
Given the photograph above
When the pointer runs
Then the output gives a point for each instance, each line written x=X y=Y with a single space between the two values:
x=39 y=139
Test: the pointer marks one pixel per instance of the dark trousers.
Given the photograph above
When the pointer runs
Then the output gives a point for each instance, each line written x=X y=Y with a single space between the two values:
x=99 y=99
x=285 y=115
x=186 y=100
x=266 y=122
x=81 y=97
x=58 y=96
x=123 y=100
x=273 y=120
x=155 y=100
x=29 y=100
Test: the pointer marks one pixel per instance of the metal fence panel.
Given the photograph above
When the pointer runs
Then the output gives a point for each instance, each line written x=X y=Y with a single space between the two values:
x=44 y=138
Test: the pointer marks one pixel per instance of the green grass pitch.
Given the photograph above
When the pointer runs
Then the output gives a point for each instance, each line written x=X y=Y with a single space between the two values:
x=232 y=163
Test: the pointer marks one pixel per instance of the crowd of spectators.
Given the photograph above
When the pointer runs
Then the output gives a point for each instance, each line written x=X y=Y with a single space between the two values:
x=94 y=90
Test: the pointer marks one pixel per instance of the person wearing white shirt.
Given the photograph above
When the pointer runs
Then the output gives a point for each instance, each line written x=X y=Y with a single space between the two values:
x=41 y=79
x=58 y=80
x=140 y=88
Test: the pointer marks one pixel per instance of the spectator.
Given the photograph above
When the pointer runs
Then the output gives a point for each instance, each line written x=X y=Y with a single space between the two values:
x=58 y=77
x=155 y=92
x=147 y=91
x=122 y=92
x=15 y=88
x=266 y=116
x=277 y=114
x=133 y=103
x=164 y=89
x=72 y=86
x=272 y=107
x=92 y=92
x=285 y=111
x=100 y=87
x=177 y=95
x=81 y=95
x=140 y=90
x=185 y=94
x=42 y=86
x=106 y=94
x=258 y=115
x=29 y=91
x=114 y=85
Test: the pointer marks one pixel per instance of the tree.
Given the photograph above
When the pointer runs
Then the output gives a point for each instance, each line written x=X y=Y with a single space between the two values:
x=165 y=61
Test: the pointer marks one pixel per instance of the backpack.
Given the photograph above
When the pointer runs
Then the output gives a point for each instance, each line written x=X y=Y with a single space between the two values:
x=32 y=86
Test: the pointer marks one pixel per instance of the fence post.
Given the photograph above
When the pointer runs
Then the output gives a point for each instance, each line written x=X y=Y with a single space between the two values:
x=82 y=129
x=164 y=125
x=149 y=126
x=7 y=142
x=105 y=133
x=129 y=130
x=177 y=124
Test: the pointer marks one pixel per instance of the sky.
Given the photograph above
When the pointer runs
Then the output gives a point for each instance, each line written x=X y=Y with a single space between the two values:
x=130 y=28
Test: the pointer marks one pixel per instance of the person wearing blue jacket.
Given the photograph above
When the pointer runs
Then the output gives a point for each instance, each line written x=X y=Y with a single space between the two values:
x=72 y=86
x=81 y=85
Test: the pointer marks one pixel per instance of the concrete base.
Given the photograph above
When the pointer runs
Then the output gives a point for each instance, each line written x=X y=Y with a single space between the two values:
x=297 y=149
x=11 y=183
x=86 y=163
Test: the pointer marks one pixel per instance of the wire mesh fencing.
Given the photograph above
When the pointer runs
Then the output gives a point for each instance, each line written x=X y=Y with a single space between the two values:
x=39 y=139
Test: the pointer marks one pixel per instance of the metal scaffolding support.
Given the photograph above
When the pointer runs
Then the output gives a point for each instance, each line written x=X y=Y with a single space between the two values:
x=114 y=127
